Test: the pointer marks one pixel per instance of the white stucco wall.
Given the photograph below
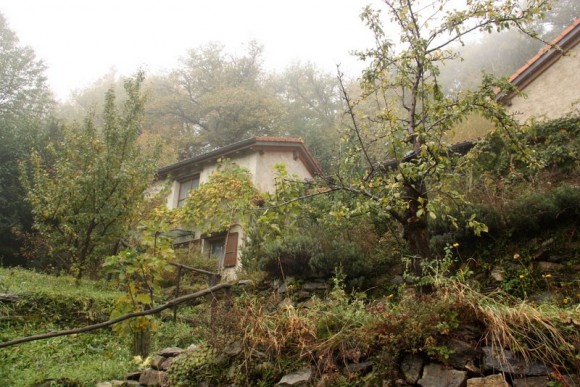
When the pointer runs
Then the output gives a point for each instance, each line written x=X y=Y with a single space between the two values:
x=261 y=166
x=554 y=93
x=264 y=178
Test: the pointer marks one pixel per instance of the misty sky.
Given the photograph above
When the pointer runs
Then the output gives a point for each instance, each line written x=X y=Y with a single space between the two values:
x=82 y=40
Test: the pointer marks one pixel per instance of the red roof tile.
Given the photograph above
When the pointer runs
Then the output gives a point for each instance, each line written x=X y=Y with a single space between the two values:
x=553 y=48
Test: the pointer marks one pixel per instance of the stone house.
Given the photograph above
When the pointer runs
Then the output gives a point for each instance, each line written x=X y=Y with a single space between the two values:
x=259 y=155
x=550 y=80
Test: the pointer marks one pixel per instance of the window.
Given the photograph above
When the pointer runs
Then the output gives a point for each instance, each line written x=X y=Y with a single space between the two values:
x=216 y=248
x=184 y=187
x=224 y=249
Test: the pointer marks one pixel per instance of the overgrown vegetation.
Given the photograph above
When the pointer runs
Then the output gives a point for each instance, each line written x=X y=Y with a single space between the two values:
x=335 y=334
x=84 y=202
x=420 y=242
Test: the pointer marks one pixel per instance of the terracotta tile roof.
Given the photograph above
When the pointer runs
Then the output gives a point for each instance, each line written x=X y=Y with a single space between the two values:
x=265 y=141
x=280 y=139
x=566 y=40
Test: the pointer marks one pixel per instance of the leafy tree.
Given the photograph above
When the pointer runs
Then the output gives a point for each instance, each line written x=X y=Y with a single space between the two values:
x=410 y=182
x=83 y=204
x=312 y=104
x=214 y=100
x=25 y=104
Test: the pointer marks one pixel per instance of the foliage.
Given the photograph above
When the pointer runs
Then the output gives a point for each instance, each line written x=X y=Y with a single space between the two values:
x=224 y=200
x=328 y=335
x=57 y=299
x=53 y=303
x=513 y=196
x=311 y=102
x=214 y=100
x=74 y=361
x=83 y=205
x=396 y=160
x=554 y=146
x=541 y=333
x=138 y=269
x=200 y=366
x=25 y=105
x=303 y=231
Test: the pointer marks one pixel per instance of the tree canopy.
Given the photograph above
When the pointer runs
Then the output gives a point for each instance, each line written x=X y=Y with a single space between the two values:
x=25 y=104
x=83 y=203
x=406 y=178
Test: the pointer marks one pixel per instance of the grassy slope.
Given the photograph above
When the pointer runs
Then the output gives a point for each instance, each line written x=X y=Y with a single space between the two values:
x=83 y=359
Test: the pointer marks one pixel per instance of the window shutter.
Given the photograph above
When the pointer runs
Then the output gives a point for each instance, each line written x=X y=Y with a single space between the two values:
x=231 y=254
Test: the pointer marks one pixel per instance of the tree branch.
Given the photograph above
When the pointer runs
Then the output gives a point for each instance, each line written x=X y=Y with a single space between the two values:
x=355 y=125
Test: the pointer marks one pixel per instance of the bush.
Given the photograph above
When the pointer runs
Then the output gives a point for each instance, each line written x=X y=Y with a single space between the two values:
x=535 y=211
x=320 y=250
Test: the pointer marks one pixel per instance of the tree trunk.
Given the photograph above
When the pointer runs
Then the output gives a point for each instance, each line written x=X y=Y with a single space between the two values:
x=415 y=227
x=141 y=343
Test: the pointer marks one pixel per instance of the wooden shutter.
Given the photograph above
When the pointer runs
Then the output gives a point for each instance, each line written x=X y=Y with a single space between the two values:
x=231 y=253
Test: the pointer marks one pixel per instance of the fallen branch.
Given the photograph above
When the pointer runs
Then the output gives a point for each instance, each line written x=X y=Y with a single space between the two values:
x=94 y=327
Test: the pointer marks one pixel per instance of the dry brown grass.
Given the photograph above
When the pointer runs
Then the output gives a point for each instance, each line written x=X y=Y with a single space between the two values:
x=544 y=333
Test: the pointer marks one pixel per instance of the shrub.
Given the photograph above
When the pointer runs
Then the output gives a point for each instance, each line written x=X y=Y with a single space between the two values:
x=320 y=250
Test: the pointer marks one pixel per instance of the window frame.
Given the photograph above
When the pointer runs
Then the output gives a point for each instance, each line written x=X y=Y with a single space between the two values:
x=194 y=179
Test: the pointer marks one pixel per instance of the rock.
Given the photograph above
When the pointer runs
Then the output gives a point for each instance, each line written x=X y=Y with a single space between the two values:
x=397 y=280
x=540 y=255
x=497 y=273
x=234 y=348
x=461 y=353
x=285 y=303
x=156 y=362
x=104 y=384
x=282 y=289
x=125 y=383
x=534 y=381
x=548 y=242
x=166 y=364
x=437 y=375
x=298 y=378
x=542 y=297
x=497 y=380
x=152 y=378
x=556 y=258
x=133 y=376
x=545 y=267
x=411 y=366
x=359 y=367
x=170 y=352
x=314 y=286
x=9 y=297
x=507 y=362
x=570 y=380
x=303 y=295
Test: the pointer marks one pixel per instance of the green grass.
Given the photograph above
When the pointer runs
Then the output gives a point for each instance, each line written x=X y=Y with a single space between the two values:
x=49 y=303
x=17 y=280
x=83 y=359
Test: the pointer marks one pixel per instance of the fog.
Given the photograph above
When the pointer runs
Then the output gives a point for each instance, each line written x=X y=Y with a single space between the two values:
x=81 y=41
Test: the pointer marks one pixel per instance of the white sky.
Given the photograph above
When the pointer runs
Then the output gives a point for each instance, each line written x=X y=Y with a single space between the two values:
x=80 y=40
